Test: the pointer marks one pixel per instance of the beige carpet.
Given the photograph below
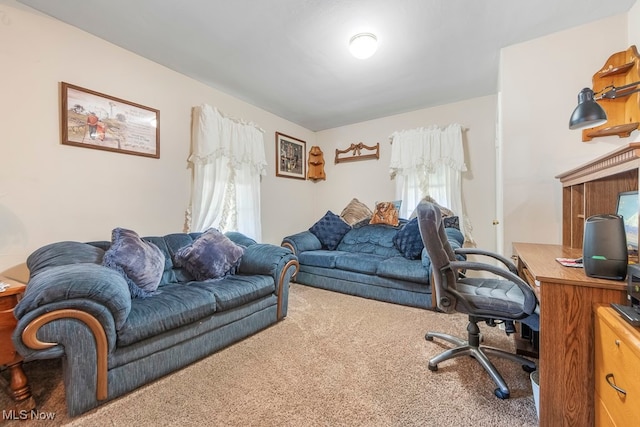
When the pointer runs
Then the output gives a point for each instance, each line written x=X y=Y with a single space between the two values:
x=336 y=360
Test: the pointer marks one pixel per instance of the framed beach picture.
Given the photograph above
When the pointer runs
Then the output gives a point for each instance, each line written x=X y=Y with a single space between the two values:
x=94 y=120
x=291 y=161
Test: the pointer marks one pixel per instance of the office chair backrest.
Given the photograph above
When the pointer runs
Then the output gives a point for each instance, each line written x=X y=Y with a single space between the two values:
x=440 y=252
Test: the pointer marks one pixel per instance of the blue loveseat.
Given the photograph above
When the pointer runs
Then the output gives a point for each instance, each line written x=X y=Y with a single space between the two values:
x=111 y=342
x=377 y=261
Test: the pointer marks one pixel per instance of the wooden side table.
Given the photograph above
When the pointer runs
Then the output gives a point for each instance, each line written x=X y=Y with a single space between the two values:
x=18 y=385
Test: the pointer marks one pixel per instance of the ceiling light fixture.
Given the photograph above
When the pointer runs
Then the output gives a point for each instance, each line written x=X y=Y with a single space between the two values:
x=363 y=45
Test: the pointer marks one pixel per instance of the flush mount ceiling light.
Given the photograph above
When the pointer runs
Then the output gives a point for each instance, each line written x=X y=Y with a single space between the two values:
x=363 y=45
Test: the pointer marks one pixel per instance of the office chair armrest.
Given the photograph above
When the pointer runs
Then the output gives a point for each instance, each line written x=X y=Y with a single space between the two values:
x=479 y=266
x=475 y=251
x=530 y=301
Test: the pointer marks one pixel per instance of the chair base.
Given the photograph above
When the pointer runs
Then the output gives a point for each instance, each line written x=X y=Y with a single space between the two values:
x=472 y=348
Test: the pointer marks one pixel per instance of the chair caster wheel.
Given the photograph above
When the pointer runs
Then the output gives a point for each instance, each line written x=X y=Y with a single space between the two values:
x=428 y=337
x=501 y=394
x=433 y=368
x=528 y=369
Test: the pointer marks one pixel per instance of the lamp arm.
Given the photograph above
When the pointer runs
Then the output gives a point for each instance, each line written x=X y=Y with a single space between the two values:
x=613 y=92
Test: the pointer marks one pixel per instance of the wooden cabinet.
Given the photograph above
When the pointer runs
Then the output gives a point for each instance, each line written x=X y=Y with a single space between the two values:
x=593 y=189
x=617 y=370
x=623 y=112
x=567 y=297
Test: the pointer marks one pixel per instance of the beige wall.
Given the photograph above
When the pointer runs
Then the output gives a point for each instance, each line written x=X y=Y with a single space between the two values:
x=633 y=24
x=540 y=81
x=369 y=180
x=51 y=192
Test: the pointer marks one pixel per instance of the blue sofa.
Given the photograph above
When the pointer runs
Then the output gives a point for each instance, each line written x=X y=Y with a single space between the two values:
x=376 y=261
x=111 y=343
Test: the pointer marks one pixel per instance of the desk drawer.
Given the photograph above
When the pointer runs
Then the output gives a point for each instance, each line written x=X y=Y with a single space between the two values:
x=603 y=418
x=616 y=364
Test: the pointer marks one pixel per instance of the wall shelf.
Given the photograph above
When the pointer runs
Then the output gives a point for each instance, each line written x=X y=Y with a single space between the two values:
x=356 y=153
x=623 y=112
x=623 y=131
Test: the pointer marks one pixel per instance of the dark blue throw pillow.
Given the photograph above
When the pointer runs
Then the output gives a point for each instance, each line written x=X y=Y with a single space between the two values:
x=451 y=222
x=330 y=230
x=408 y=240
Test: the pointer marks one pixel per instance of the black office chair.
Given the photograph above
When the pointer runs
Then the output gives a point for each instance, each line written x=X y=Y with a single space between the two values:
x=506 y=298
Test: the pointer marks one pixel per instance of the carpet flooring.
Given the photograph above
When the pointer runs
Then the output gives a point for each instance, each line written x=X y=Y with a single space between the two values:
x=336 y=360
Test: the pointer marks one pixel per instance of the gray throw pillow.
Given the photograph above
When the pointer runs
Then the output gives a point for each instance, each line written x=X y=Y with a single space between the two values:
x=140 y=262
x=211 y=256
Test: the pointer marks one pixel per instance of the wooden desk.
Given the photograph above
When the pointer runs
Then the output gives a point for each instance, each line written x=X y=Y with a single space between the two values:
x=566 y=362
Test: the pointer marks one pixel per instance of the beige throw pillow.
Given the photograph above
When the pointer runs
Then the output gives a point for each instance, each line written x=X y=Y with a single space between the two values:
x=355 y=212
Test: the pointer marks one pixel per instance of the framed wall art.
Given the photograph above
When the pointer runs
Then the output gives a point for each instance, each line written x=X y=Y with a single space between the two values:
x=291 y=155
x=94 y=120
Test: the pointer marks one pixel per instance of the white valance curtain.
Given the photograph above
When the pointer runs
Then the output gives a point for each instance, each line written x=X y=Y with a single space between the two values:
x=228 y=159
x=429 y=162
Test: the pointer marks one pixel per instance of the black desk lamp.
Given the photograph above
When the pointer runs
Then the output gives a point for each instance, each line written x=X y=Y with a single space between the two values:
x=589 y=113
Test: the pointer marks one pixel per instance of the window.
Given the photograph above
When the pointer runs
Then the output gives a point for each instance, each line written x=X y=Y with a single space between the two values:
x=430 y=162
x=228 y=160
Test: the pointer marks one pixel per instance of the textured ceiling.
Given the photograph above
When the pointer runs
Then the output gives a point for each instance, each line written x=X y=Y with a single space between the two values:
x=290 y=57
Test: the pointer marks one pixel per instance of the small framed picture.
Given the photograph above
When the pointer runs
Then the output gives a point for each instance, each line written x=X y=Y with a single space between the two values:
x=94 y=120
x=291 y=157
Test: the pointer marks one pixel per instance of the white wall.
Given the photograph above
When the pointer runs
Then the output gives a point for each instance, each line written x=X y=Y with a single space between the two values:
x=51 y=192
x=369 y=180
x=540 y=81
x=633 y=24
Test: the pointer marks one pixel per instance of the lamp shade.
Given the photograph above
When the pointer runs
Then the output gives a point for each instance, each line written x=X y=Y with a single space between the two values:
x=588 y=113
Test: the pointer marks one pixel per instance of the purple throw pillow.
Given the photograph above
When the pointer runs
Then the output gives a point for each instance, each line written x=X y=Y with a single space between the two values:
x=211 y=256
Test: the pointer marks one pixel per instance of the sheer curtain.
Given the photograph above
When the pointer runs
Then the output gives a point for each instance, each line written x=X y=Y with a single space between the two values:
x=228 y=159
x=430 y=162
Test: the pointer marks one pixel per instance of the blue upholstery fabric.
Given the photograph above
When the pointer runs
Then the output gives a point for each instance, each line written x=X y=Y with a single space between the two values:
x=456 y=240
x=367 y=286
x=175 y=306
x=403 y=269
x=362 y=263
x=188 y=320
x=329 y=230
x=368 y=263
x=63 y=253
x=239 y=238
x=303 y=241
x=264 y=259
x=320 y=258
x=237 y=290
x=211 y=256
x=409 y=241
x=76 y=282
x=141 y=263
x=371 y=239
